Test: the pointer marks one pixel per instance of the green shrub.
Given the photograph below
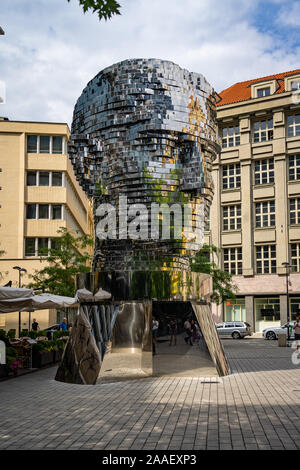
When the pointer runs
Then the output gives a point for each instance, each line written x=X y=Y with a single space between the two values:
x=59 y=334
x=11 y=352
x=11 y=333
x=4 y=337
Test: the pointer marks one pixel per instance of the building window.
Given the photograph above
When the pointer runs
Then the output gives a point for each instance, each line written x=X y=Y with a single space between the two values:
x=264 y=171
x=294 y=125
x=38 y=246
x=44 y=211
x=29 y=246
x=56 y=212
x=263 y=130
x=57 y=144
x=32 y=143
x=294 y=167
x=295 y=257
x=44 y=144
x=295 y=85
x=235 y=310
x=31 y=211
x=230 y=136
x=57 y=178
x=267 y=311
x=266 y=259
x=233 y=260
x=44 y=178
x=31 y=178
x=231 y=176
x=265 y=214
x=295 y=211
x=232 y=217
x=261 y=92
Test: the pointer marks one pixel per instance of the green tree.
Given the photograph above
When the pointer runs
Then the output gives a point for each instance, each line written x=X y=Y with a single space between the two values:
x=67 y=258
x=105 y=8
x=223 y=286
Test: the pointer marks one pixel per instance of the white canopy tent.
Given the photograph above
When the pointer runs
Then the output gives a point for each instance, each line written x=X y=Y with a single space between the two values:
x=23 y=300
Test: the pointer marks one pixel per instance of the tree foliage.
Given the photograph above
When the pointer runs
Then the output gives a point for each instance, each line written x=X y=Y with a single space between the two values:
x=67 y=258
x=105 y=8
x=223 y=286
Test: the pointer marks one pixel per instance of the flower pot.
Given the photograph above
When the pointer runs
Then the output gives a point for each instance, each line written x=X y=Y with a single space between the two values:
x=42 y=358
x=3 y=370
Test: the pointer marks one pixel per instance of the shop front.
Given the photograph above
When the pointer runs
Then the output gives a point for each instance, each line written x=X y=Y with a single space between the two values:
x=267 y=313
x=235 y=310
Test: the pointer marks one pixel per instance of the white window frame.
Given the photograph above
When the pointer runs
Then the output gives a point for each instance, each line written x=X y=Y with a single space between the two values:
x=236 y=175
x=232 y=214
x=270 y=268
x=261 y=132
x=234 y=139
x=295 y=167
x=36 y=247
x=295 y=259
x=234 y=263
x=49 y=211
x=295 y=211
x=63 y=147
x=294 y=127
x=261 y=171
x=265 y=213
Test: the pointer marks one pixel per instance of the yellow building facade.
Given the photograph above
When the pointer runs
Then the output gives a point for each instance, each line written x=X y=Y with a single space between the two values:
x=39 y=194
x=255 y=215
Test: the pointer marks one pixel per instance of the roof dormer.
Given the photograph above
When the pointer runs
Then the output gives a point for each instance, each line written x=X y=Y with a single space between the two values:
x=264 y=88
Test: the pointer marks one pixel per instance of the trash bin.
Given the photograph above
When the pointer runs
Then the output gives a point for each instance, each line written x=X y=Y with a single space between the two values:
x=282 y=340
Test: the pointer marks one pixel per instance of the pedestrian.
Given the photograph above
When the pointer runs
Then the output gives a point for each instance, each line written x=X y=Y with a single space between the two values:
x=296 y=329
x=195 y=332
x=35 y=325
x=188 y=329
x=172 y=331
x=63 y=326
x=155 y=325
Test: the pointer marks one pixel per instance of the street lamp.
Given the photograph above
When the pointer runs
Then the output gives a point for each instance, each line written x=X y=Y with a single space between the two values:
x=21 y=270
x=287 y=266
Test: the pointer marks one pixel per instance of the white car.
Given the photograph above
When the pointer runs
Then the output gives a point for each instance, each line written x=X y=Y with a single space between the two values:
x=273 y=332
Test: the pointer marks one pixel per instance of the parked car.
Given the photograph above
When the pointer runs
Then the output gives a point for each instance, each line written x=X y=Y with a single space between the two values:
x=236 y=330
x=51 y=329
x=272 y=333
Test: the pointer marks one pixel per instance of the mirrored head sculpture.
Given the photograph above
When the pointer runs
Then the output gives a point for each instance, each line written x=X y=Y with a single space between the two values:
x=144 y=135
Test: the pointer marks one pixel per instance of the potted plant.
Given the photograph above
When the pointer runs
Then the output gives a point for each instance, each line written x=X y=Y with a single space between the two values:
x=42 y=354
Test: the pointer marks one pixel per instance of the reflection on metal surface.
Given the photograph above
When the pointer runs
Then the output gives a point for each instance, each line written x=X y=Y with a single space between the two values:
x=130 y=354
x=146 y=129
x=140 y=285
x=208 y=328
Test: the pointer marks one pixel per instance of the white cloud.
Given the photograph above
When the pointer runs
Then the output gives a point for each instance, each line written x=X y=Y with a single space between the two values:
x=51 y=49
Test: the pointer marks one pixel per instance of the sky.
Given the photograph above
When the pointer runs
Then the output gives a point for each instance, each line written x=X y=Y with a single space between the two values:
x=51 y=49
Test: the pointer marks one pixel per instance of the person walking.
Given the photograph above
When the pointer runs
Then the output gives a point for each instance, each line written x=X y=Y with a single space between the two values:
x=63 y=326
x=35 y=325
x=296 y=329
x=172 y=331
x=188 y=329
x=155 y=325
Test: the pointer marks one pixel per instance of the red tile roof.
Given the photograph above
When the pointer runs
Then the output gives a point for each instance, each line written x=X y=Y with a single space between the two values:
x=241 y=91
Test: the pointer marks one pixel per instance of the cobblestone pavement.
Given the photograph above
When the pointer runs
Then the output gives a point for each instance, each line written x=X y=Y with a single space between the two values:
x=257 y=407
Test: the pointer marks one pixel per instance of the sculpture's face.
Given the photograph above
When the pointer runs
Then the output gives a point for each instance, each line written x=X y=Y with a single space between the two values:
x=145 y=129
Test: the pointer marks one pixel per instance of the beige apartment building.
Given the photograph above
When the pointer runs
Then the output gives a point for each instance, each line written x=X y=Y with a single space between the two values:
x=255 y=215
x=38 y=194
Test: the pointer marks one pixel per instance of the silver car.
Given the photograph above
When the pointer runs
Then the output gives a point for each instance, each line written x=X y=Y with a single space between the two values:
x=272 y=333
x=235 y=330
